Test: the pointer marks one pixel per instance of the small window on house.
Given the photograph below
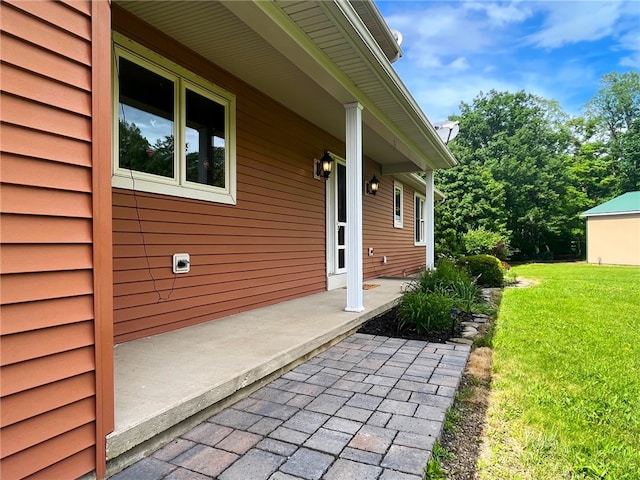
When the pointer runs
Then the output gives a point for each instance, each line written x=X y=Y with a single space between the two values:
x=398 y=216
x=419 y=233
x=175 y=132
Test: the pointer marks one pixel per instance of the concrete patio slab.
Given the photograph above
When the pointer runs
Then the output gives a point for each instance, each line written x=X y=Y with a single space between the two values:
x=163 y=380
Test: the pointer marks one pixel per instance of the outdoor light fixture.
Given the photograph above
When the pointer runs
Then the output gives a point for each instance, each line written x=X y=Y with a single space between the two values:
x=323 y=166
x=373 y=185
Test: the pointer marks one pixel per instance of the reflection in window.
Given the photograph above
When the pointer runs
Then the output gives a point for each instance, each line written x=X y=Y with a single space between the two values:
x=205 y=140
x=341 y=247
x=397 y=205
x=146 y=105
x=419 y=220
x=176 y=131
x=341 y=173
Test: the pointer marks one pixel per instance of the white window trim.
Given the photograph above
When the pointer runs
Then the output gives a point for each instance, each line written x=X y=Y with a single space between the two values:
x=398 y=223
x=183 y=78
x=423 y=241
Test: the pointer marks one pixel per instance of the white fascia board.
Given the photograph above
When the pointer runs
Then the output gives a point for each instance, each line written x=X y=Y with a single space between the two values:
x=610 y=214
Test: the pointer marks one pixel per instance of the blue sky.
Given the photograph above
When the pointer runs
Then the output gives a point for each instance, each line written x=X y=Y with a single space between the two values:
x=556 y=49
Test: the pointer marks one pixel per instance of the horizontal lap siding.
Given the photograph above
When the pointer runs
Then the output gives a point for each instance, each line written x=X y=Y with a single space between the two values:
x=47 y=354
x=267 y=248
x=397 y=244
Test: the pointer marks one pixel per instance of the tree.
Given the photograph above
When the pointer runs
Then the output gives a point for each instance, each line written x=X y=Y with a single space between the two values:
x=474 y=199
x=136 y=153
x=132 y=146
x=629 y=161
x=511 y=150
x=616 y=105
x=615 y=108
x=528 y=170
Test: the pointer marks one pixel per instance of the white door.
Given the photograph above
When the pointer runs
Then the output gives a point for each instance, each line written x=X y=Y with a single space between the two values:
x=337 y=227
x=341 y=219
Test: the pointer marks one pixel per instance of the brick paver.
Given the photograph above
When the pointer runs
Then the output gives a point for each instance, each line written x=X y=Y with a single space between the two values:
x=367 y=408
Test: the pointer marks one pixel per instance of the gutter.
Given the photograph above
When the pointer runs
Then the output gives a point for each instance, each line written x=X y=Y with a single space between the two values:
x=380 y=28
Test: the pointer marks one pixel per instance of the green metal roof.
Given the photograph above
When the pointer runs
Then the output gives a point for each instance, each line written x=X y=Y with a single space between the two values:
x=624 y=204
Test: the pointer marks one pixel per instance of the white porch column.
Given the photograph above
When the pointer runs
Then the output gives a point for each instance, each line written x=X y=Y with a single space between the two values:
x=429 y=219
x=353 y=118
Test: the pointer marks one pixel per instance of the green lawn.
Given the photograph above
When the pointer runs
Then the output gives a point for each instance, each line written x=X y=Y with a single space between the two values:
x=565 y=401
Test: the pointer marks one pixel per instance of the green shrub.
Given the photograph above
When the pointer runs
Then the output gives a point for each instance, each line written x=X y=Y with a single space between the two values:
x=485 y=242
x=486 y=268
x=442 y=279
x=450 y=280
x=465 y=295
x=426 y=312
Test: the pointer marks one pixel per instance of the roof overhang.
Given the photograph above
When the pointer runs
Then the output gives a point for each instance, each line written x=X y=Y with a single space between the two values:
x=419 y=184
x=610 y=214
x=313 y=57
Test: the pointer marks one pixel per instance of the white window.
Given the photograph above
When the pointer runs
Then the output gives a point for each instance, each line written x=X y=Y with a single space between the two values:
x=175 y=132
x=398 y=215
x=418 y=210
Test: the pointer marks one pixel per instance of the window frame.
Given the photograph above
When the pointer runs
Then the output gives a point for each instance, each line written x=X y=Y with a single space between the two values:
x=183 y=79
x=398 y=222
x=419 y=223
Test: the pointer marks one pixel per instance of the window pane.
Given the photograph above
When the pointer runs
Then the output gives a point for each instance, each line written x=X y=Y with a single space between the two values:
x=341 y=235
x=419 y=219
x=205 y=137
x=341 y=173
x=146 y=120
x=398 y=204
x=341 y=258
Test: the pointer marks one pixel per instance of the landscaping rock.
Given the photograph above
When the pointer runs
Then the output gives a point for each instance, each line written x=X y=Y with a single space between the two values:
x=469 y=332
x=460 y=341
x=471 y=324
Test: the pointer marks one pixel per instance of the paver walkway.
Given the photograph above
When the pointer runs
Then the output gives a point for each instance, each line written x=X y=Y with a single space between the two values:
x=368 y=408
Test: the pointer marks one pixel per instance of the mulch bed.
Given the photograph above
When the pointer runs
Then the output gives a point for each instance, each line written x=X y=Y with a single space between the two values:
x=387 y=324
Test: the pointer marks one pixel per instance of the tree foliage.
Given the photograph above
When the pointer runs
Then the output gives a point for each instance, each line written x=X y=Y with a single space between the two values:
x=615 y=109
x=137 y=154
x=527 y=170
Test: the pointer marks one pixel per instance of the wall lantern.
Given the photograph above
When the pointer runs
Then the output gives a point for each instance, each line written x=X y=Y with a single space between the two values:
x=373 y=185
x=323 y=166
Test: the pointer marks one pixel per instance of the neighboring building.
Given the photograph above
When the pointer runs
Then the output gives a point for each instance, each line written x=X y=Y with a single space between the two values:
x=613 y=231
x=96 y=200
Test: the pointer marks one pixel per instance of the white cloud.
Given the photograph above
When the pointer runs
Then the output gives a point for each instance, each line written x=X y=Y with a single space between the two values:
x=459 y=64
x=437 y=34
x=456 y=49
x=500 y=14
x=632 y=61
x=630 y=42
x=574 y=22
x=440 y=99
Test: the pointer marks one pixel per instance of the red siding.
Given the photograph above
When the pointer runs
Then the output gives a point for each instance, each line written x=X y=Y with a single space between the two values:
x=397 y=244
x=267 y=248
x=48 y=327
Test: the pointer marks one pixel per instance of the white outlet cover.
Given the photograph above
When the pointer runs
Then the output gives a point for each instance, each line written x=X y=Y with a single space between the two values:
x=181 y=257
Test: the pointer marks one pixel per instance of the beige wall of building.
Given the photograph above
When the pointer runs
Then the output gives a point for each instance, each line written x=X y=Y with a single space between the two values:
x=614 y=239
